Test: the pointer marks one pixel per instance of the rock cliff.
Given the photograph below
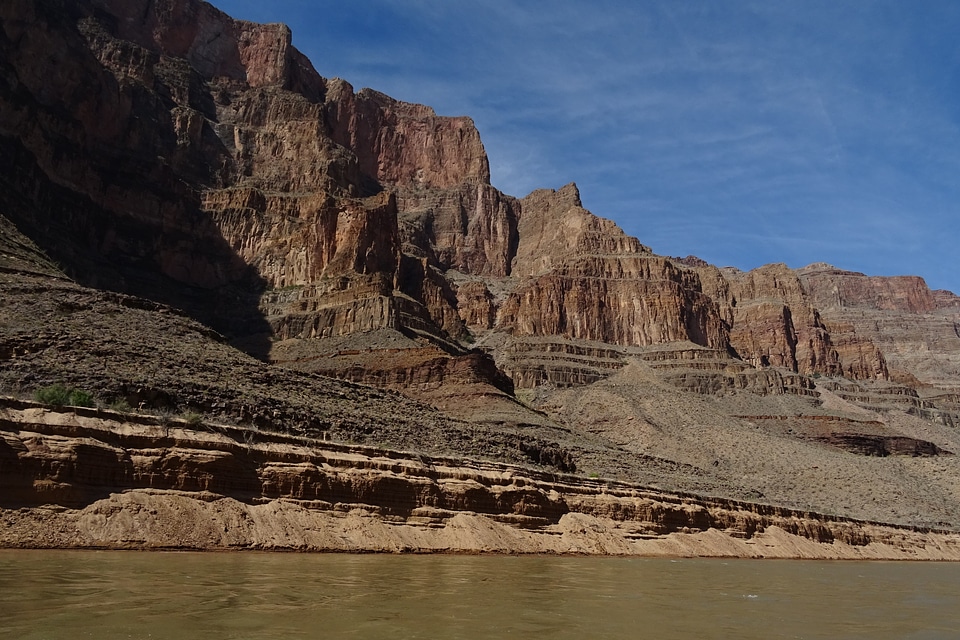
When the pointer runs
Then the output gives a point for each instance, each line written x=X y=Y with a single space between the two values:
x=183 y=190
x=913 y=329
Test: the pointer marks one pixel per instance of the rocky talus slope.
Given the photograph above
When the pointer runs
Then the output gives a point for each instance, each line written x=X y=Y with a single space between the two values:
x=194 y=221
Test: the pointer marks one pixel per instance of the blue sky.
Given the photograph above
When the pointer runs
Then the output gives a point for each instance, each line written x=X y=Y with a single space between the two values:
x=741 y=132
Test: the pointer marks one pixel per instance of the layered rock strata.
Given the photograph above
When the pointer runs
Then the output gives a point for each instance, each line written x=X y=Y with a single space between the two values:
x=107 y=484
x=174 y=182
x=913 y=329
x=206 y=164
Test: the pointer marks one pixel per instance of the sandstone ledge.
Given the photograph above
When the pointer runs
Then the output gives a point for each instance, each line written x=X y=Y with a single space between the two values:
x=91 y=479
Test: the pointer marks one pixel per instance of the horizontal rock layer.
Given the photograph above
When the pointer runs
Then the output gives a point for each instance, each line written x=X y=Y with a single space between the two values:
x=114 y=486
x=163 y=155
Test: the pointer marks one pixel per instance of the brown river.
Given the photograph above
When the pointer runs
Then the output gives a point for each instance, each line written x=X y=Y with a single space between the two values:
x=112 y=595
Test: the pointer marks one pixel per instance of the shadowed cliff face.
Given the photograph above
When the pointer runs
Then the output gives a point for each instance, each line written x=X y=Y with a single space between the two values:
x=162 y=148
x=105 y=151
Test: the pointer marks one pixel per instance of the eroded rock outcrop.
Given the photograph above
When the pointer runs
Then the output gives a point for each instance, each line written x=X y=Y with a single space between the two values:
x=830 y=287
x=403 y=144
x=912 y=329
x=581 y=277
x=117 y=487
x=471 y=228
x=774 y=323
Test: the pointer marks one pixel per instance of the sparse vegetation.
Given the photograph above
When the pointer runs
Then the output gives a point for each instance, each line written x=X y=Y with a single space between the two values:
x=164 y=416
x=120 y=405
x=525 y=396
x=193 y=418
x=58 y=395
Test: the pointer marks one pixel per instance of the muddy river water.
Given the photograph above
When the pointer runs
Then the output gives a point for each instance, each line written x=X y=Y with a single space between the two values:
x=112 y=595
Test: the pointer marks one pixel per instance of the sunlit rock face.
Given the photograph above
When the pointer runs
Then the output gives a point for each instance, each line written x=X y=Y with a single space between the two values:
x=166 y=150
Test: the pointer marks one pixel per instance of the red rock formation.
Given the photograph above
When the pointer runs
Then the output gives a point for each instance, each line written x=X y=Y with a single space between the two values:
x=859 y=357
x=913 y=329
x=946 y=299
x=471 y=228
x=585 y=279
x=476 y=305
x=161 y=149
x=422 y=282
x=214 y=44
x=173 y=144
x=555 y=227
x=404 y=144
x=774 y=322
x=628 y=308
x=830 y=287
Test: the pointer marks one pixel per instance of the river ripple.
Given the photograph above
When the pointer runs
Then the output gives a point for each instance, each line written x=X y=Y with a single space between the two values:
x=112 y=595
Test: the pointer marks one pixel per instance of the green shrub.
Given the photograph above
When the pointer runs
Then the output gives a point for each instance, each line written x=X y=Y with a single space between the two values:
x=58 y=395
x=80 y=398
x=193 y=419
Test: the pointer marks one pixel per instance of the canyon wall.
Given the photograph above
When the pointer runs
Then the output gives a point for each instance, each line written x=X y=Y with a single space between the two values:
x=202 y=161
x=177 y=185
